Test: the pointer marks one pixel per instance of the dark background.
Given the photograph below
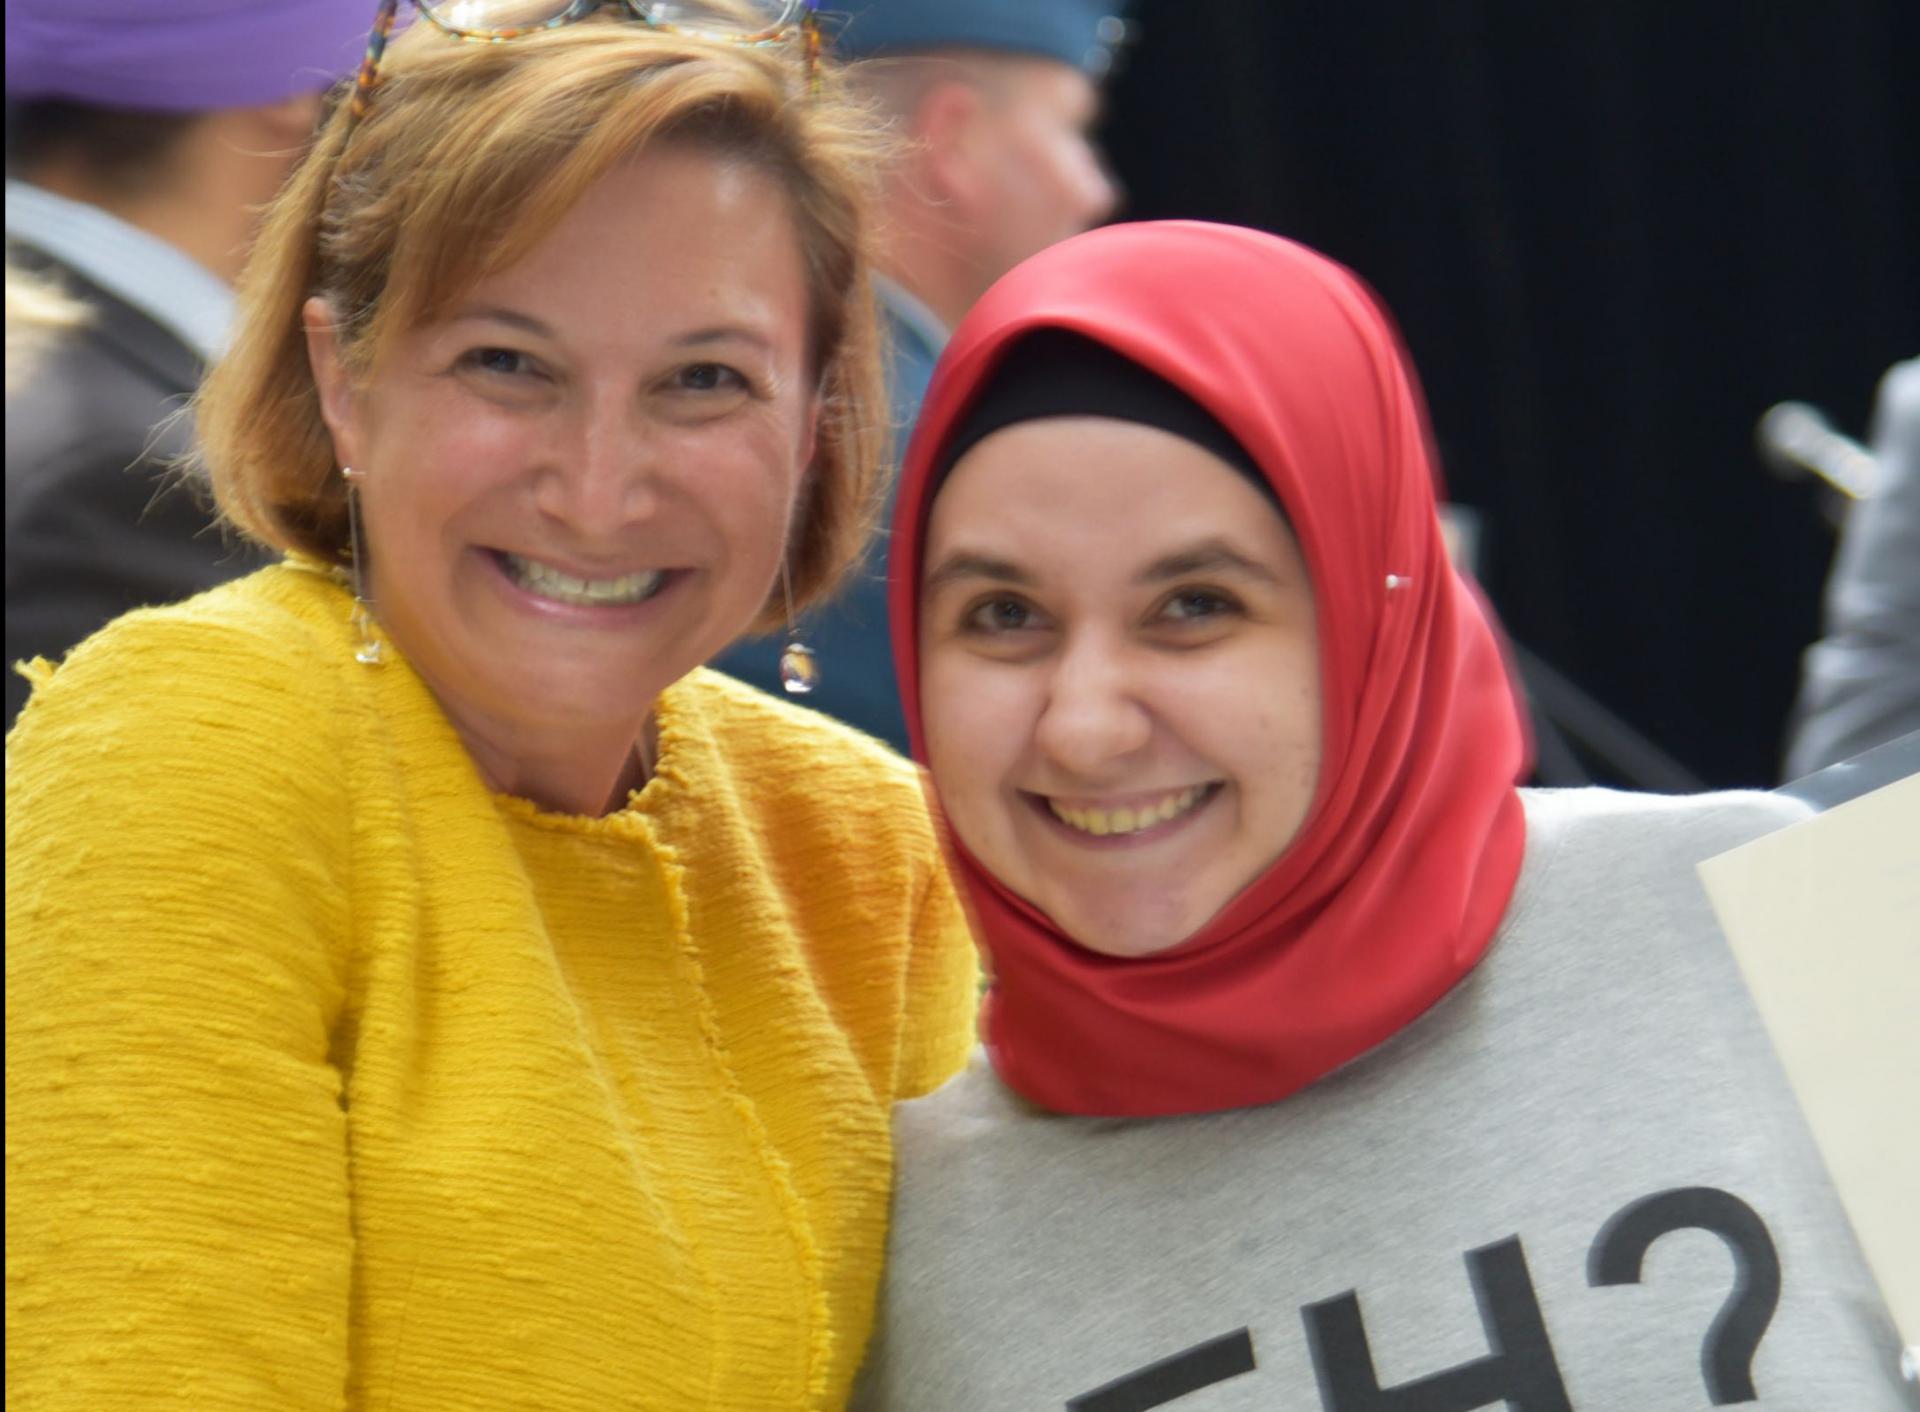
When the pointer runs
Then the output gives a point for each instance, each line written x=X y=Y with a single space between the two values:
x=1614 y=233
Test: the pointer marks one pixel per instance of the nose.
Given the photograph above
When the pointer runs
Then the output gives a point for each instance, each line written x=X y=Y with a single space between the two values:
x=603 y=473
x=1093 y=717
x=1099 y=187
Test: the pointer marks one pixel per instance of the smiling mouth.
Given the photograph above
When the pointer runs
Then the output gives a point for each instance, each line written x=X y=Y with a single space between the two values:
x=545 y=581
x=1106 y=823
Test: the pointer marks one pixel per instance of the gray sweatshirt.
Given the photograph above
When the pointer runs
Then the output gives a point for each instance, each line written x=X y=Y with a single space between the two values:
x=1579 y=1181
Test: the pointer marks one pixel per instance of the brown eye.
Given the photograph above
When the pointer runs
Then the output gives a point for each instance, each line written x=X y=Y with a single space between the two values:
x=998 y=615
x=1192 y=605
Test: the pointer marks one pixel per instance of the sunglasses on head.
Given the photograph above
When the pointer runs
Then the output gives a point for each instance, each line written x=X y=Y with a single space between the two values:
x=493 y=21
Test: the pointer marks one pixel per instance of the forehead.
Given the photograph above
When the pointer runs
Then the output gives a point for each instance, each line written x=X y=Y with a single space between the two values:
x=672 y=230
x=1092 y=491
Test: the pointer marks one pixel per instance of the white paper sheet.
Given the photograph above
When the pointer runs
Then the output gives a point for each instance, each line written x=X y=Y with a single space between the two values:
x=1825 y=920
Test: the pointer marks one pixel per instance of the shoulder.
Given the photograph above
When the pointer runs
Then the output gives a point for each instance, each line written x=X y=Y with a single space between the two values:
x=249 y=661
x=1898 y=409
x=833 y=818
x=1596 y=844
x=202 y=753
x=780 y=753
x=971 y=1104
x=1692 y=826
x=819 y=832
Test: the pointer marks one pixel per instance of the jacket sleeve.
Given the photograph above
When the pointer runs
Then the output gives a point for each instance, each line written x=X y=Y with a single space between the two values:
x=942 y=993
x=177 y=1197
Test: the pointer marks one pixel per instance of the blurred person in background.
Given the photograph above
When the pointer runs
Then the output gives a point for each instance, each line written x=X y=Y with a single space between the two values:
x=38 y=312
x=995 y=103
x=1308 y=1031
x=427 y=987
x=1860 y=684
x=142 y=142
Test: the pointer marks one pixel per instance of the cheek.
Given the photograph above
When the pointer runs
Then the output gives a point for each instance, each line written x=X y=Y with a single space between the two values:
x=944 y=684
x=1268 y=739
x=423 y=484
x=748 y=478
x=976 y=728
x=1281 y=751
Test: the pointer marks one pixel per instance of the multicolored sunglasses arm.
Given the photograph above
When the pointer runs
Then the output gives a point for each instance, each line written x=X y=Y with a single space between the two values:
x=370 y=65
x=810 y=45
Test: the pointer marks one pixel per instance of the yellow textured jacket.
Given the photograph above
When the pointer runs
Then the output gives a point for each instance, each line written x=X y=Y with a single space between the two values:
x=334 y=1080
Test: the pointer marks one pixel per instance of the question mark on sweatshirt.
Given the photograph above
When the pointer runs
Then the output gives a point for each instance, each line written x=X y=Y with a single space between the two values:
x=1726 y=1355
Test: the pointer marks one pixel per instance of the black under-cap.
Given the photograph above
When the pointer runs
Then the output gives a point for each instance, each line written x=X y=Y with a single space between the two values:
x=1055 y=372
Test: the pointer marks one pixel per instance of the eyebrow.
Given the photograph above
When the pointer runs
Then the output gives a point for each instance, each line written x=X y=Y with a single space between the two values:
x=529 y=324
x=964 y=564
x=721 y=333
x=1206 y=556
x=510 y=317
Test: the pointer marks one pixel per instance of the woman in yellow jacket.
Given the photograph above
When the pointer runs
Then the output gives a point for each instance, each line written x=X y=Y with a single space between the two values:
x=428 y=988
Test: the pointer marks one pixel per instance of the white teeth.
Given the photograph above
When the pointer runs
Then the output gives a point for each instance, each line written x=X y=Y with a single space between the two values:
x=549 y=582
x=1102 y=822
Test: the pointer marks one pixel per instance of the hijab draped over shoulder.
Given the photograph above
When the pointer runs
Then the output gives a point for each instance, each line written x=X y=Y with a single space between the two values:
x=1399 y=876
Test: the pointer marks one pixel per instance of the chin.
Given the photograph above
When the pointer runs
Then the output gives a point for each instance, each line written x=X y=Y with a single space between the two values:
x=1128 y=933
x=564 y=694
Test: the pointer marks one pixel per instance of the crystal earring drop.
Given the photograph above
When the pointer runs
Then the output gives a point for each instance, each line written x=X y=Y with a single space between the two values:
x=799 y=669
x=369 y=651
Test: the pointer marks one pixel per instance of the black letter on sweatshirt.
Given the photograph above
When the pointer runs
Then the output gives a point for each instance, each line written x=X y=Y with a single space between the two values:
x=1157 y=1384
x=1726 y=1357
x=1521 y=1369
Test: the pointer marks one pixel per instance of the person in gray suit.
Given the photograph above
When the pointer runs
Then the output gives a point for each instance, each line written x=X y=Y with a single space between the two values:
x=995 y=102
x=139 y=147
x=1861 y=682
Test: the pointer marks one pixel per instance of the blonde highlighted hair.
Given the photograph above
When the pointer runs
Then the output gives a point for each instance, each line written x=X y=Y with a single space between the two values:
x=468 y=156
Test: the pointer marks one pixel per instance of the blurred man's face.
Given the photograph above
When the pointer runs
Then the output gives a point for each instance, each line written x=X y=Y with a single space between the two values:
x=1043 y=177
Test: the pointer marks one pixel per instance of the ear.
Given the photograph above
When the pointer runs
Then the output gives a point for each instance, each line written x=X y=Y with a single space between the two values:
x=273 y=135
x=945 y=128
x=290 y=123
x=331 y=377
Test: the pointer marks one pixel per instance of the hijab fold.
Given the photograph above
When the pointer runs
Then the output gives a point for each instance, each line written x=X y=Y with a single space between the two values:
x=1401 y=872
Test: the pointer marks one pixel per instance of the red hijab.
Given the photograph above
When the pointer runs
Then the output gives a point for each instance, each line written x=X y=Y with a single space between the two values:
x=1395 y=883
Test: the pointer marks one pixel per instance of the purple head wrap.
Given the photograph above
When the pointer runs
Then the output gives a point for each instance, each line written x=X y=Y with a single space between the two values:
x=182 y=56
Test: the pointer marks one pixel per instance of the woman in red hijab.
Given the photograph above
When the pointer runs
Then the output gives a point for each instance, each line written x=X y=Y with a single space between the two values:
x=1227 y=755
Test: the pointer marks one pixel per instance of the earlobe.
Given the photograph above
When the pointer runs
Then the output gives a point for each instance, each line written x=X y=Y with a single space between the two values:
x=331 y=378
x=289 y=124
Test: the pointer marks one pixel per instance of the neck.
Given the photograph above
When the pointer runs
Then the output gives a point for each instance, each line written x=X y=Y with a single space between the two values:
x=591 y=777
x=576 y=782
x=220 y=244
x=930 y=256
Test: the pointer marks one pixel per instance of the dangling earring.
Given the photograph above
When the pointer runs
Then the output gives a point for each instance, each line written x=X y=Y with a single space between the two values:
x=799 y=670
x=369 y=651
